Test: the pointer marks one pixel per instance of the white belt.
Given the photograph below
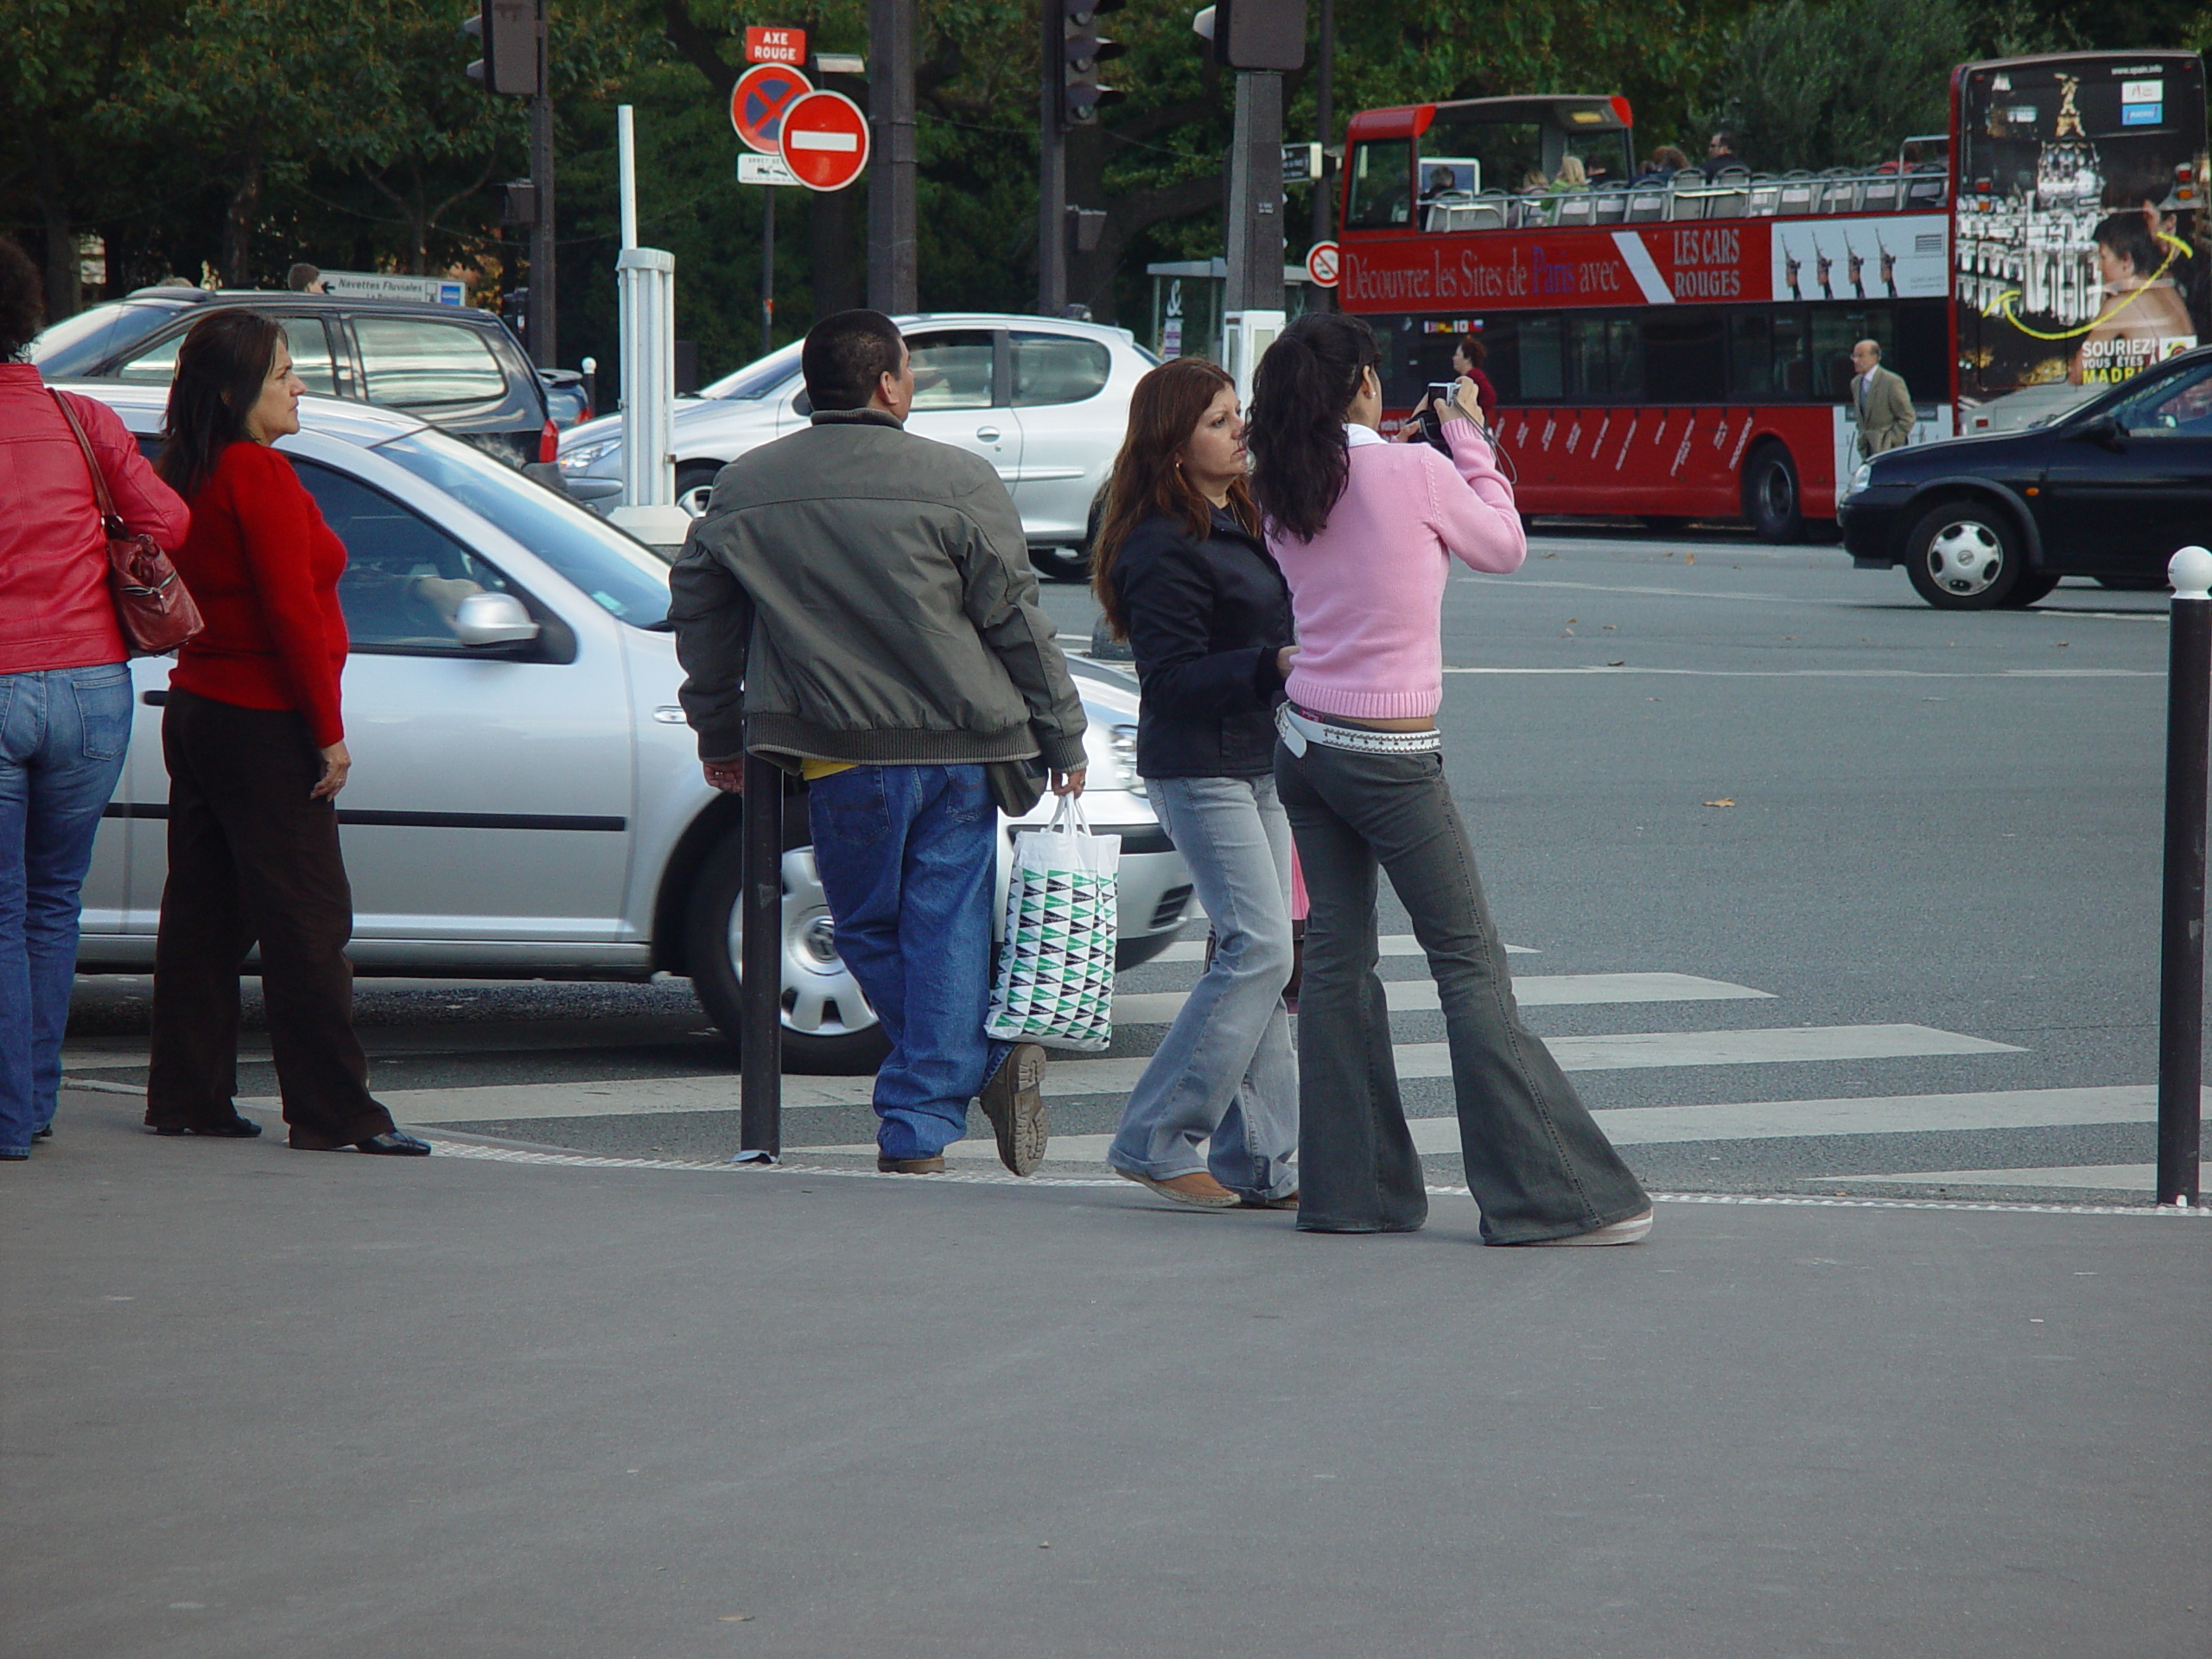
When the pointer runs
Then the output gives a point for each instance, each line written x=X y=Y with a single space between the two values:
x=1297 y=730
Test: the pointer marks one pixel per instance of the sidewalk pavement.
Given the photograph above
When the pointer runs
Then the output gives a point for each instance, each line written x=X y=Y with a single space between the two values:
x=255 y=1402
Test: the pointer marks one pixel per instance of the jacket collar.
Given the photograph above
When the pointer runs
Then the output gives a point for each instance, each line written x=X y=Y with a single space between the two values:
x=855 y=417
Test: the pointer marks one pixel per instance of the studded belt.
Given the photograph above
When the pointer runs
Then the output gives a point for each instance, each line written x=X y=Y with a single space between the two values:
x=1297 y=728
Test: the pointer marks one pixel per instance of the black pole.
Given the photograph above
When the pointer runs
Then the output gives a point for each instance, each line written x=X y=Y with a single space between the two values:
x=544 y=345
x=768 y=271
x=893 y=238
x=2181 y=957
x=761 y=971
x=1325 y=120
x=1052 y=169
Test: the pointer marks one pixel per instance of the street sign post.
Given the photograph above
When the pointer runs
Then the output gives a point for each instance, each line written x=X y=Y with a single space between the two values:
x=824 y=140
x=775 y=45
x=757 y=104
x=1321 y=263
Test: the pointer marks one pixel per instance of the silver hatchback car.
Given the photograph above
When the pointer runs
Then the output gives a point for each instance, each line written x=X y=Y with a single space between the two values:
x=1046 y=402
x=525 y=800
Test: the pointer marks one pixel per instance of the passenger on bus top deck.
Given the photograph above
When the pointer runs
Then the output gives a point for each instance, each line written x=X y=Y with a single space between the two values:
x=1534 y=183
x=1573 y=175
x=1720 y=153
x=1442 y=181
x=1665 y=163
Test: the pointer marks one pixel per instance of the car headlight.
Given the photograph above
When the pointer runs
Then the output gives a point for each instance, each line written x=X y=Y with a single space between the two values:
x=1112 y=754
x=581 y=458
x=1862 y=478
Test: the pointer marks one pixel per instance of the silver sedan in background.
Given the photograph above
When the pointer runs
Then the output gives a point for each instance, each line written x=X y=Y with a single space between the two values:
x=1046 y=402
x=527 y=801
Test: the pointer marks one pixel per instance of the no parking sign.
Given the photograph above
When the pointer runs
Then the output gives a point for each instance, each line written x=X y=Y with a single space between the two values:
x=759 y=102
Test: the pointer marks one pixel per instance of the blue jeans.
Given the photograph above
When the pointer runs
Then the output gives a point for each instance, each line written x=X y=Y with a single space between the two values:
x=63 y=733
x=907 y=863
x=1226 y=1070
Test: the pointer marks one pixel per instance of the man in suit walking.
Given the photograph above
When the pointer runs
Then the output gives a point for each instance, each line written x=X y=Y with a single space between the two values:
x=1881 y=402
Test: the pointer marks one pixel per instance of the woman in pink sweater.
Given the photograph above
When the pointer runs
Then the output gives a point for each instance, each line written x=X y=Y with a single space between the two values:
x=1365 y=532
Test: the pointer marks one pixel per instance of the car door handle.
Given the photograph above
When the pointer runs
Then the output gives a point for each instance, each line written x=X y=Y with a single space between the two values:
x=987 y=433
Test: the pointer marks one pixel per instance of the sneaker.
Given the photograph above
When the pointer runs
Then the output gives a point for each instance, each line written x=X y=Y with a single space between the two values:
x=1198 y=1189
x=1014 y=1100
x=929 y=1166
x=1628 y=1231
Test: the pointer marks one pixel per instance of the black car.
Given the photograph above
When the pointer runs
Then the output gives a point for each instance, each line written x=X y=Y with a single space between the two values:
x=457 y=367
x=2111 y=489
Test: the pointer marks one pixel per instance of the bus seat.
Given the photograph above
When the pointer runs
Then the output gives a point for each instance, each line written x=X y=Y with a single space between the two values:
x=1765 y=201
x=1687 y=200
x=1644 y=205
x=1611 y=205
x=1579 y=208
x=1881 y=194
x=1795 y=197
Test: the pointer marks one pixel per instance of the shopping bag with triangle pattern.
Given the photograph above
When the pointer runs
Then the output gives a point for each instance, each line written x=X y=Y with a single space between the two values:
x=1055 y=980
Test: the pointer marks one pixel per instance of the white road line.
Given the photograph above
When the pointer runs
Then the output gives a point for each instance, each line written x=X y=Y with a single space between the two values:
x=1389 y=944
x=1532 y=990
x=1720 y=596
x=639 y=1096
x=2103 y=1178
x=1756 y=1120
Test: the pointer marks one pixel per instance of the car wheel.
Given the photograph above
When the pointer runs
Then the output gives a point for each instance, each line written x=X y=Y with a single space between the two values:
x=2033 y=585
x=829 y=1027
x=1965 y=555
x=694 y=483
x=1771 y=498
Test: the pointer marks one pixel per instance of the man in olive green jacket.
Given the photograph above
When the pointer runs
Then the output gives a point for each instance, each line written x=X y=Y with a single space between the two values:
x=1880 y=402
x=857 y=605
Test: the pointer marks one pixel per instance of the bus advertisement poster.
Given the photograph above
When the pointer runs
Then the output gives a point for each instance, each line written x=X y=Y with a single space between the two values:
x=2082 y=254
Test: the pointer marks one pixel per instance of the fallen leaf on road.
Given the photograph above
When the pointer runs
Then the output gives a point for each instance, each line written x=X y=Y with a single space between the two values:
x=1724 y=801
x=1623 y=663
x=736 y=1618
x=1689 y=558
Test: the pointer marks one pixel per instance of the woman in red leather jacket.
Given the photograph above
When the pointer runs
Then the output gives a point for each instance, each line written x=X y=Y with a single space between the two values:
x=256 y=748
x=64 y=692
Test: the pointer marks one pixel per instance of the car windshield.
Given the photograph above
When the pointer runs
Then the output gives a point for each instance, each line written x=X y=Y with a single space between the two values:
x=617 y=573
x=756 y=380
x=80 y=344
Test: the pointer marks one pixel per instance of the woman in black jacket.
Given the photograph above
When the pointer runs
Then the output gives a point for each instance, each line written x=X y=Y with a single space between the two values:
x=1181 y=573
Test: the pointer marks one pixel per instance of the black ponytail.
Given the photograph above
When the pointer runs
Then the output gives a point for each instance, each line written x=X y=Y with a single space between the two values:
x=1301 y=391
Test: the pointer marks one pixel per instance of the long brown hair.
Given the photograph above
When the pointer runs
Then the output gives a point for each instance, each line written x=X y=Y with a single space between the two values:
x=220 y=370
x=1164 y=413
x=1301 y=391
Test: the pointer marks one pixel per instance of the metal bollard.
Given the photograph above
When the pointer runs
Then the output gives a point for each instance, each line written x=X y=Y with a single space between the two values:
x=2181 y=955
x=760 y=1104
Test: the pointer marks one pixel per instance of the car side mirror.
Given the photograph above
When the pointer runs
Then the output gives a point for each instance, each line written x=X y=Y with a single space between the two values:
x=2104 y=431
x=484 y=619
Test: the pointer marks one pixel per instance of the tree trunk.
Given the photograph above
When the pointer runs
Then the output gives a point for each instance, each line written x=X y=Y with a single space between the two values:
x=237 y=220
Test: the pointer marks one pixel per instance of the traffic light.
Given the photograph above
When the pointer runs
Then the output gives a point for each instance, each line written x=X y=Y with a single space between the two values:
x=507 y=32
x=1084 y=49
x=1259 y=33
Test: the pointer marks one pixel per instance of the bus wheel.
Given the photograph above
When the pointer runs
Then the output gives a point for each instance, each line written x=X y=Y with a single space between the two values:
x=1771 y=495
x=1965 y=555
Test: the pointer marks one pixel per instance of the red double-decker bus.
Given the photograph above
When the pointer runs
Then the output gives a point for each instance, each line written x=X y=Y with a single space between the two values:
x=1677 y=347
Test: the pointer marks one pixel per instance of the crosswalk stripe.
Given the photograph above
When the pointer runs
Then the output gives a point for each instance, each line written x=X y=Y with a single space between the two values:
x=1630 y=1126
x=1634 y=1050
x=1531 y=990
x=2103 y=1178
x=1389 y=944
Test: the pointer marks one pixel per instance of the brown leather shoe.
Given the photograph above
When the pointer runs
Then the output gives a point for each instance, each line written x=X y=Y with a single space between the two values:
x=1198 y=1189
x=909 y=1166
x=1287 y=1201
x=1013 y=1101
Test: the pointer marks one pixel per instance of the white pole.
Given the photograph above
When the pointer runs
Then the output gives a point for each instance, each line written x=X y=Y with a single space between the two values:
x=626 y=167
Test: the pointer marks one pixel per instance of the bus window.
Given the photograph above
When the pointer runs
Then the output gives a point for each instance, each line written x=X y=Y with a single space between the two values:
x=1684 y=357
x=1585 y=350
x=1836 y=329
x=1625 y=358
x=1751 y=356
x=1540 y=347
x=1382 y=185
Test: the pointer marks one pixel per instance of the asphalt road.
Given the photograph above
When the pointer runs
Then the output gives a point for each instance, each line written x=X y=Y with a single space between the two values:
x=1872 y=890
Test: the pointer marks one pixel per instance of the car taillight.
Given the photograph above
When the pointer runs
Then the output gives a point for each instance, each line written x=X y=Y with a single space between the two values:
x=549 y=442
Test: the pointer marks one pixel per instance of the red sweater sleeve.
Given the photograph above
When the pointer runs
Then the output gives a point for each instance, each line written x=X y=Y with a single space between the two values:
x=146 y=505
x=278 y=526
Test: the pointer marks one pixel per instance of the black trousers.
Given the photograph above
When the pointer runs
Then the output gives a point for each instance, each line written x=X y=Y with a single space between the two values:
x=252 y=859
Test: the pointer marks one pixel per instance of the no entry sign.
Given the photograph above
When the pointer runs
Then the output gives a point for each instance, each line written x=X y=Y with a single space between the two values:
x=1321 y=264
x=824 y=140
x=759 y=100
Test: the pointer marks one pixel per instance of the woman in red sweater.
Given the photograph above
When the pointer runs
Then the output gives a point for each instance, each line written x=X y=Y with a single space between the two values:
x=256 y=755
x=65 y=692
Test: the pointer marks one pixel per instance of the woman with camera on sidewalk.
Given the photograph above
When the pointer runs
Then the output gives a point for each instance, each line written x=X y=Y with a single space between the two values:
x=255 y=749
x=1366 y=531
x=1180 y=572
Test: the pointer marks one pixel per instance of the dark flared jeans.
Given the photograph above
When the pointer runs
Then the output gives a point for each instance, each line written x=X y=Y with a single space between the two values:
x=1537 y=1161
x=252 y=859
